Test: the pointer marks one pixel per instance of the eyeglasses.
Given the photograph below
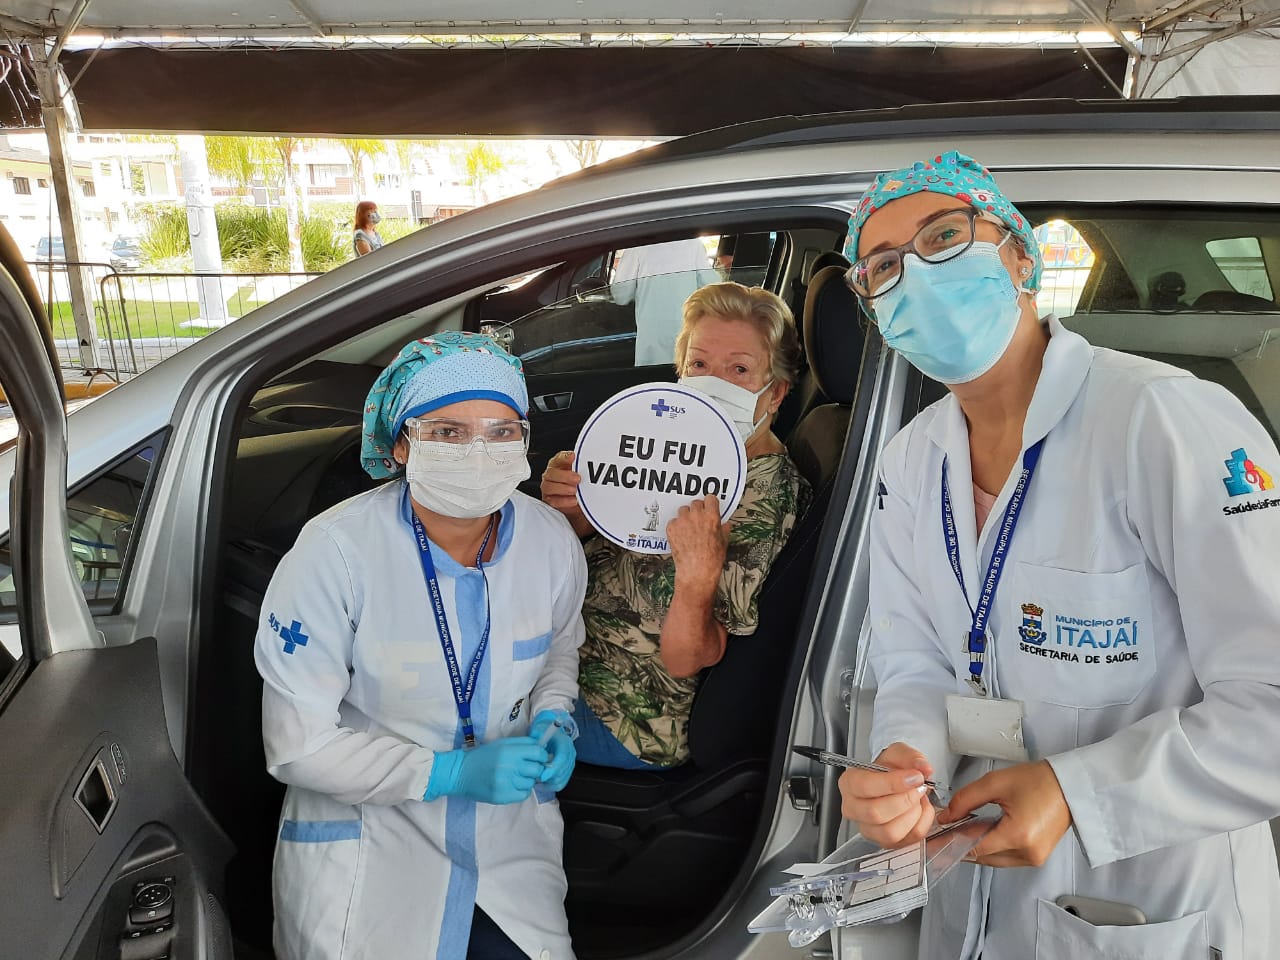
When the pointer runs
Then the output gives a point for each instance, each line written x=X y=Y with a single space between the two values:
x=947 y=235
x=503 y=440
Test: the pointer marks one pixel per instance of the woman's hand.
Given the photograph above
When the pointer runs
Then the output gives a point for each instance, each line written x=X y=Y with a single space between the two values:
x=560 y=490
x=699 y=542
x=891 y=809
x=1036 y=814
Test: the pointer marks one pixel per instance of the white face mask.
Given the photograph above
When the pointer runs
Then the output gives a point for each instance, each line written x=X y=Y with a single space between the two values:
x=735 y=402
x=468 y=486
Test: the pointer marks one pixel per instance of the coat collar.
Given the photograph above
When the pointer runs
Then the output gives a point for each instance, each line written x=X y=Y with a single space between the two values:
x=1066 y=365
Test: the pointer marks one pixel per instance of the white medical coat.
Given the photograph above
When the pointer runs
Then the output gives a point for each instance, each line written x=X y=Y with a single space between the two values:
x=660 y=278
x=1148 y=662
x=357 y=697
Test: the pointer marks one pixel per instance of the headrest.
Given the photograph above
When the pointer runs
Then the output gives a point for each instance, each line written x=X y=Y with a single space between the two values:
x=1166 y=290
x=828 y=258
x=833 y=334
x=747 y=249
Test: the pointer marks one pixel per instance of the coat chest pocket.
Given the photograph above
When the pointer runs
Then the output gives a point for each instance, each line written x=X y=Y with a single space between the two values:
x=1061 y=936
x=1074 y=639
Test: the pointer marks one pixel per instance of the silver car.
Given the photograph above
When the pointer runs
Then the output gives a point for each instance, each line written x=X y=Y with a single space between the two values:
x=143 y=529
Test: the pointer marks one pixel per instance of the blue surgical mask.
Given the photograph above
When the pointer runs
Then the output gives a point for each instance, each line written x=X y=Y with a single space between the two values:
x=952 y=320
x=375 y=217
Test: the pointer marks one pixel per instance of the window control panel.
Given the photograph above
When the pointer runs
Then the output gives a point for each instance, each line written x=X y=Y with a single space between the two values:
x=148 y=934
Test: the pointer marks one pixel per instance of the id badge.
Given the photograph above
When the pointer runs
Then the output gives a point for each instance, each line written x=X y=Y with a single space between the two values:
x=986 y=727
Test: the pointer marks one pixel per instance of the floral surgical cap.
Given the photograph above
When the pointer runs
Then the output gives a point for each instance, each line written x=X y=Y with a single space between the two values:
x=954 y=175
x=430 y=373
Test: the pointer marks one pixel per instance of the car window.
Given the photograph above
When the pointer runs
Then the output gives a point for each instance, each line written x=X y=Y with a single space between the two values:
x=626 y=307
x=1242 y=266
x=1068 y=261
x=1188 y=288
x=102 y=518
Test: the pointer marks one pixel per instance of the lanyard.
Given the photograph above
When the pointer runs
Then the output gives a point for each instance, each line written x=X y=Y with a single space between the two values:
x=976 y=640
x=461 y=693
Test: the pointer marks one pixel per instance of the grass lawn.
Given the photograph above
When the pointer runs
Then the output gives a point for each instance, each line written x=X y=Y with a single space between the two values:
x=147 y=318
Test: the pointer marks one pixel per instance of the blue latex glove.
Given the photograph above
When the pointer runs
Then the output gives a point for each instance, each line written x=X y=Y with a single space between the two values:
x=555 y=728
x=500 y=771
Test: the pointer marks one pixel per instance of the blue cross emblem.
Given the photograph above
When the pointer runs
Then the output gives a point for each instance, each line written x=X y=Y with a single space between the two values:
x=660 y=407
x=292 y=635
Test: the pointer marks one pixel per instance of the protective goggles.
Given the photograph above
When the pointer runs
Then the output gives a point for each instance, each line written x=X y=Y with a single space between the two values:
x=452 y=438
x=946 y=235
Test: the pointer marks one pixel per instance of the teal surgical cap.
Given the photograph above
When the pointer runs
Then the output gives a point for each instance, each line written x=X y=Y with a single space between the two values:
x=431 y=373
x=951 y=174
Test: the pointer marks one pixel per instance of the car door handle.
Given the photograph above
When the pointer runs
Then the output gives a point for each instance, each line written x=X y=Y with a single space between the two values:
x=553 y=402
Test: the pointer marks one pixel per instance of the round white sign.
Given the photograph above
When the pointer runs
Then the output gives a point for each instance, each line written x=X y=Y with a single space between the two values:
x=647 y=452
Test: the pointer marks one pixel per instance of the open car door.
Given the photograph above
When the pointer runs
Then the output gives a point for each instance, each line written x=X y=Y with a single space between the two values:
x=105 y=850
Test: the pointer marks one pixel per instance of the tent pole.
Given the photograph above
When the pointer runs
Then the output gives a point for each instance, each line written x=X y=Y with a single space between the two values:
x=53 y=111
x=68 y=28
x=1094 y=63
x=1171 y=16
x=1116 y=34
x=1258 y=22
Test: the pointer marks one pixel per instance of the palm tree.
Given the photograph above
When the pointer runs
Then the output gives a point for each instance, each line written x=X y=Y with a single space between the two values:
x=481 y=161
x=241 y=160
x=360 y=150
x=284 y=148
x=585 y=152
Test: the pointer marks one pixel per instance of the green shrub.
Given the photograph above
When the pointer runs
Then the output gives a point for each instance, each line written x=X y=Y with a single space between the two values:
x=167 y=236
x=252 y=240
x=323 y=247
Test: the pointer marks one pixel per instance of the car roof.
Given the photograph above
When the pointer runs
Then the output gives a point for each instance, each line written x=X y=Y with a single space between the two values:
x=1191 y=114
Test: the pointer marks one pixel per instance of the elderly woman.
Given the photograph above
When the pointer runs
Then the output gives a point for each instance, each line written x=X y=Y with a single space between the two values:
x=1073 y=609
x=419 y=652
x=653 y=622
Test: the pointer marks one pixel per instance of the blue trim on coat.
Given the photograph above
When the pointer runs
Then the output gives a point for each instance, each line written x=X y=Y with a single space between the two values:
x=319 y=831
x=460 y=813
x=532 y=648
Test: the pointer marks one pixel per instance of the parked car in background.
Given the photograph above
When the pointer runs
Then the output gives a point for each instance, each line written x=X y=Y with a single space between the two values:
x=126 y=253
x=50 y=248
x=129 y=701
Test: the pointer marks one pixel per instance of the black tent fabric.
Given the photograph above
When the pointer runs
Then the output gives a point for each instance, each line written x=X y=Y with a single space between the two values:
x=19 y=101
x=594 y=92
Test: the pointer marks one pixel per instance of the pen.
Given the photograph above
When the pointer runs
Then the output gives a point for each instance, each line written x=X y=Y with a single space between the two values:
x=836 y=760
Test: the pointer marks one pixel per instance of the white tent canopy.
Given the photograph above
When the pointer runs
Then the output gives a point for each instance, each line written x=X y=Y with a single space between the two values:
x=207 y=18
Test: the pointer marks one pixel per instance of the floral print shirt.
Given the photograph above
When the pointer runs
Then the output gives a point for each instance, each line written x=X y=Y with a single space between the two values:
x=621 y=675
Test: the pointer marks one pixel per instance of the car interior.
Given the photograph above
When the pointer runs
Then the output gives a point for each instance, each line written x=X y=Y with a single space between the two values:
x=648 y=854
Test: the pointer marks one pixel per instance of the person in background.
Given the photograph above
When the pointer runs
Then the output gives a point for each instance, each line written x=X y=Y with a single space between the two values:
x=1073 y=612
x=654 y=622
x=658 y=278
x=419 y=654
x=366 y=238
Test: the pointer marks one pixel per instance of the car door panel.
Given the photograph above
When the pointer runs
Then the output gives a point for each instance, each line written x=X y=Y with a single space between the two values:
x=101 y=805
x=95 y=803
x=560 y=404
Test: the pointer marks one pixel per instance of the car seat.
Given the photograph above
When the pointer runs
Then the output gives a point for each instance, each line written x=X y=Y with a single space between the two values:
x=806 y=393
x=669 y=843
x=1232 y=301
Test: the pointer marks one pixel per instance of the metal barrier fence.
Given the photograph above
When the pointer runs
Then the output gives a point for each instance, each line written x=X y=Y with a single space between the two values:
x=142 y=317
